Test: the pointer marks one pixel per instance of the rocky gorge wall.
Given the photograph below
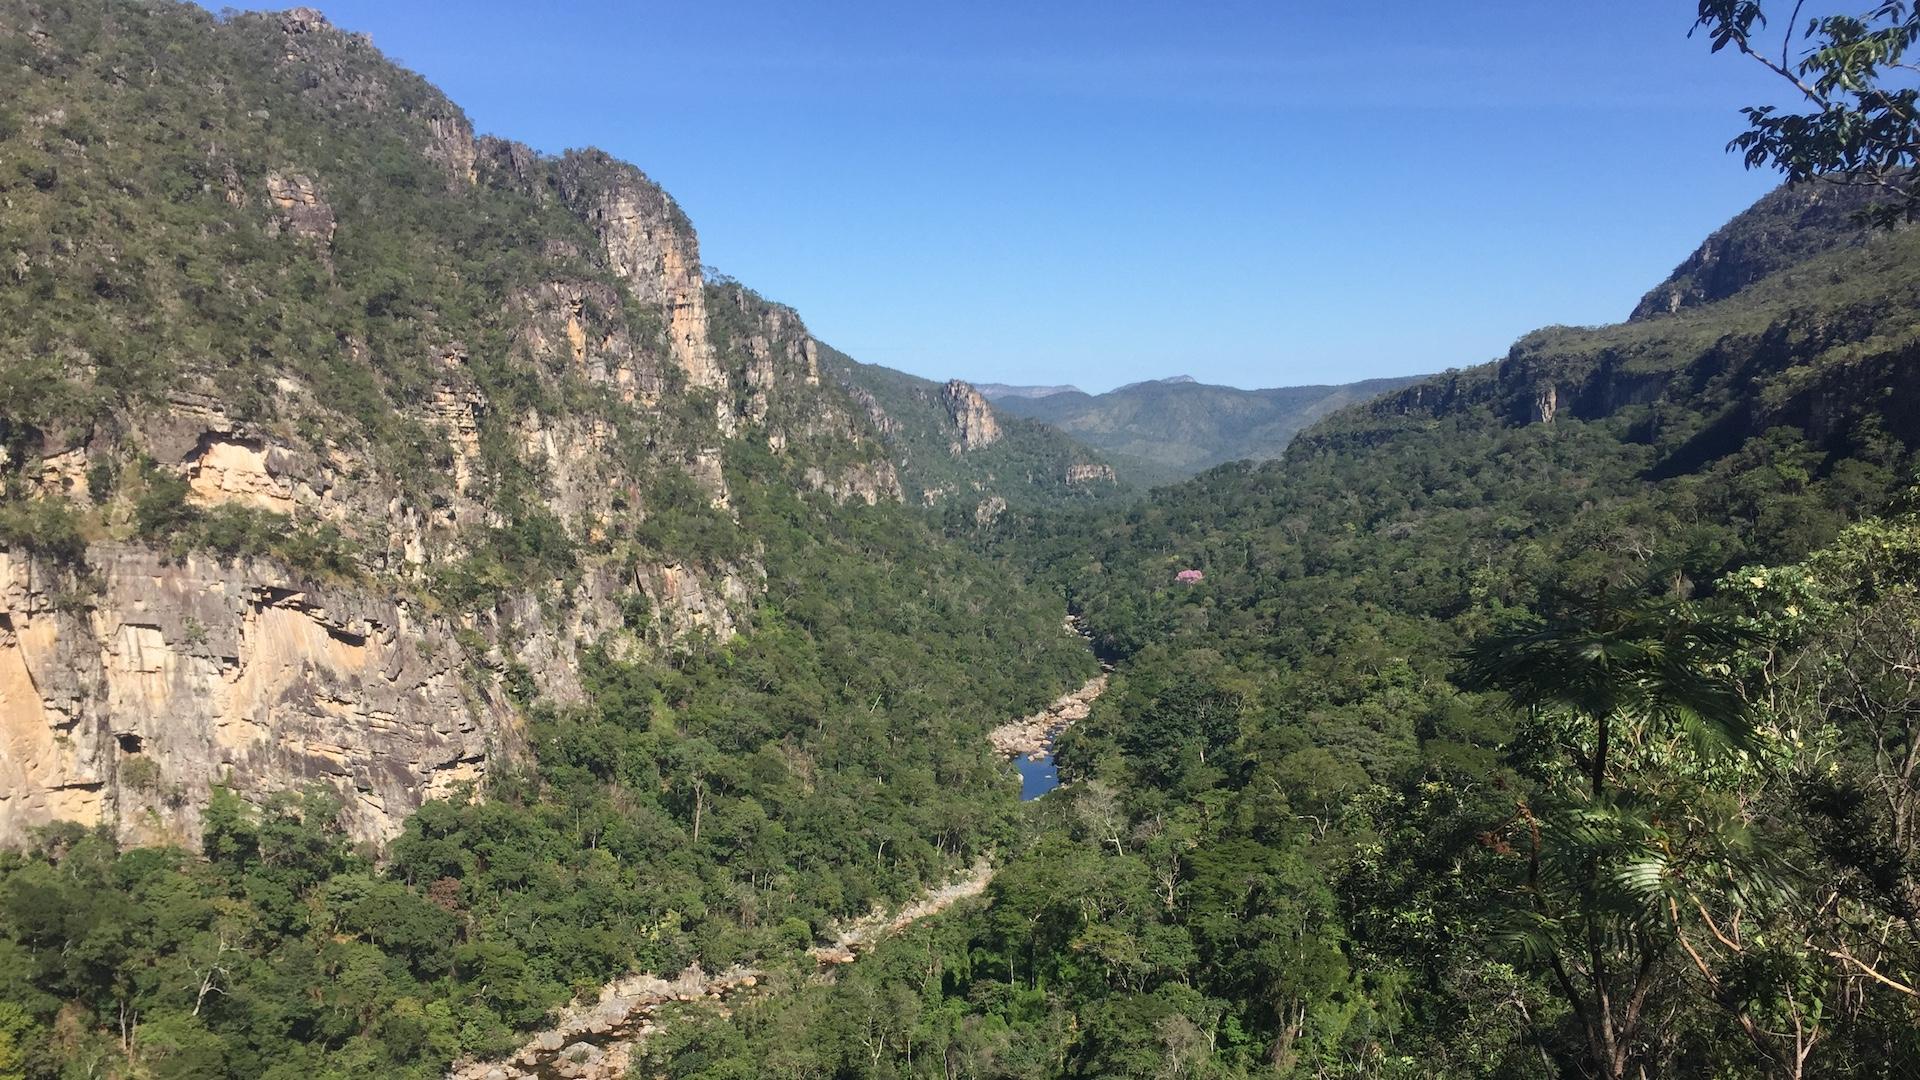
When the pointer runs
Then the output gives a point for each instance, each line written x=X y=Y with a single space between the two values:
x=497 y=389
x=130 y=689
x=606 y=384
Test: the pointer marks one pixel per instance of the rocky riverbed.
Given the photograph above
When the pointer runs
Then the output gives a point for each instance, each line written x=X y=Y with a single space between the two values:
x=597 y=1040
x=1031 y=737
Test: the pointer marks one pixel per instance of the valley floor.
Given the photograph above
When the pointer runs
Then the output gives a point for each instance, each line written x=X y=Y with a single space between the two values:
x=598 y=1040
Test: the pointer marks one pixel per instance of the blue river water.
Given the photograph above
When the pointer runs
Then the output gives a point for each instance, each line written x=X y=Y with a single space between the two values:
x=1036 y=777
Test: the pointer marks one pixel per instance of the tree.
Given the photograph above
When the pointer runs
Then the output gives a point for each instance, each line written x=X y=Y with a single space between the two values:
x=1863 y=128
x=1618 y=657
x=1628 y=689
x=16 y=1031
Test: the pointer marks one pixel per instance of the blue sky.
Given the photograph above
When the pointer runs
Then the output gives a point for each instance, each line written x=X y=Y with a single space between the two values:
x=1260 y=194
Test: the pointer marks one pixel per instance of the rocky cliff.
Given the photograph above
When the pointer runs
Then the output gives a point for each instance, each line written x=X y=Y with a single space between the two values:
x=132 y=684
x=974 y=425
x=1791 y=318
x=1787 y=226
x=425 y=416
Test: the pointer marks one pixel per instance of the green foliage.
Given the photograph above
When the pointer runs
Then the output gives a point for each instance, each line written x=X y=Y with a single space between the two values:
x=1864 y=127
x=718 y=804
x=162 y=508
x=1301 y=838
x=46 y=525
x=1286 y=805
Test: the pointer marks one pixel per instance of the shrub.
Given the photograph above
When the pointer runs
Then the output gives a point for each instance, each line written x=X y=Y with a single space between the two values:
x=162 y=509
x=48 y=526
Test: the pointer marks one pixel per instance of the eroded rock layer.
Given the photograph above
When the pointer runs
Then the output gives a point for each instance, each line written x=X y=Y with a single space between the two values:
x=127 y=694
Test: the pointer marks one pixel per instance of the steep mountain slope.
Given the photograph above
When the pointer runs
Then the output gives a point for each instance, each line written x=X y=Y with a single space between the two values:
x=330 y=429
x=960 y=456
x=469 y=600
x=1170 y=428
x=1787 y=226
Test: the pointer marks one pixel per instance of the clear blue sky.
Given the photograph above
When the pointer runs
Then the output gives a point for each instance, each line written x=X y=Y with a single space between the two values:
x=1260 y=193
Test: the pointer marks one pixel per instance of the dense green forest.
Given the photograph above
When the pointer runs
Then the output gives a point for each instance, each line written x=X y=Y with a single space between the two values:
x=1554 y=717
x=723 y=807
x=1347 y=811
x=1311 y=835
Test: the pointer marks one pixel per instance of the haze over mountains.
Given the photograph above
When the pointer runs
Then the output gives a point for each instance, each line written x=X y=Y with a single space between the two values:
x=1165 y=429
x=996 y=391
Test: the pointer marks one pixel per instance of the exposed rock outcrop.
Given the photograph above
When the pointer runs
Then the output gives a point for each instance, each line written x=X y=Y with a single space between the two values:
x=1087 y=475
x=302 y=210
x=651 y=246
x=597 y=1040
x=224 y=469
x=973 y=419
x=1786 y=226
x=126 y=704
x=872 y=482
x=450 y=145
x=988 y=510
x=1032 y=737
x=578 y=321
x=1546 y=402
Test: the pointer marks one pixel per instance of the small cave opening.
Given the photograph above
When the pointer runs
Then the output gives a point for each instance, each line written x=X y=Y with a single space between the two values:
x=130 y=743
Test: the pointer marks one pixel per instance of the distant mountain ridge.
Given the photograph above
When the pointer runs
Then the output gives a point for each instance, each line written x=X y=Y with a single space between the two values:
x=994 y=391
x=1162 y=430
x=1171 y=380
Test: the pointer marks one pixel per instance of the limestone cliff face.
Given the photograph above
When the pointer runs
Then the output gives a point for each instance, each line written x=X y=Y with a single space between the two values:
x=1089 y=474
x=301 y=207
x=871 y=483
x=563 y=318
x=1807 y=347
x=973 y=420
x=128 y=691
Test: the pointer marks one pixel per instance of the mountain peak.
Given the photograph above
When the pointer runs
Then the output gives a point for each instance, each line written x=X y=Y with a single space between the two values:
x=1787 y=226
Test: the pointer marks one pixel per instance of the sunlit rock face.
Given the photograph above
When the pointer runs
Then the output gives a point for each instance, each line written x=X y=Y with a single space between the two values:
x=126 y=697
x=973 y=420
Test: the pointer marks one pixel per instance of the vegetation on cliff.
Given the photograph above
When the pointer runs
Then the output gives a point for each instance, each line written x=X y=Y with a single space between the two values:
x=270 y=302
x=1552 y=717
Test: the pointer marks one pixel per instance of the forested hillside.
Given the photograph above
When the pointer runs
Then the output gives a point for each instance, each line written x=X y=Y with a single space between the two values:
x=1170 y=429
x=1343 y=811
x=969 y=482
x=426 y=596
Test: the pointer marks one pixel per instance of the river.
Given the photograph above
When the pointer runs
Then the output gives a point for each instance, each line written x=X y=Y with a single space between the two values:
x=1037 y=775
x=596 y=1039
